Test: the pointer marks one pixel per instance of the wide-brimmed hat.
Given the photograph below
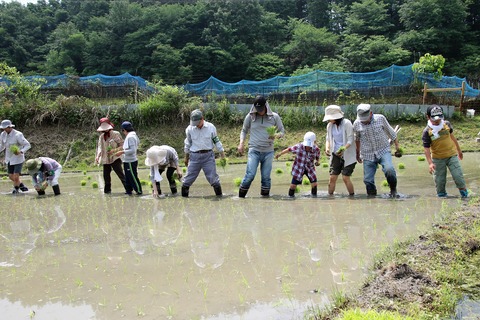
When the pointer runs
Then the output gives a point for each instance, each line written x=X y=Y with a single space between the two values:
x=195 y=117
x=33 y=165
x=260 y=103
x=309 y=139
x=363 y=112
x=6 y=124
x=105 y=126
x=435 y=112
x=155 y=155
x=333 y=112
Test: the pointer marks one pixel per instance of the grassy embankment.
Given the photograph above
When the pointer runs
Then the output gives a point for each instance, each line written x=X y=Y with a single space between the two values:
x=422 y=278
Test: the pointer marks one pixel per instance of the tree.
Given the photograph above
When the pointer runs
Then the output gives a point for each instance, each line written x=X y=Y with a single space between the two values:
x=309 y=45
x=368 y=17
x=264 y=66
x=430 y=64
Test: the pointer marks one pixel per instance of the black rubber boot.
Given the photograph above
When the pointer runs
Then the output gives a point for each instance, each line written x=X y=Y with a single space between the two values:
x=173 y=188
x=314 y=191
x=242 y=192
x=158 y=187
x=265 y=192
x=291 y=193
x=185 y=191
x=41 y=193
x=108 y=188
x=23 y=187
x=218 y=190
x=56 y=189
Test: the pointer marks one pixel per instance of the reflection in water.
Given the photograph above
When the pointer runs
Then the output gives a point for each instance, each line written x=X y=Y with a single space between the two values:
x=210 y=238
x=166 y=227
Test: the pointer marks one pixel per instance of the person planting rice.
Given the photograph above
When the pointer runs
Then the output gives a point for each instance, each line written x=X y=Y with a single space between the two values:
x=15 y=146
x=201 y=138
x=109 y=142
x=158 y=159
x=130 y=160
x=340 y=147
x=442 y=151
x=307 y=155
x=45 y=172
x=259 y=122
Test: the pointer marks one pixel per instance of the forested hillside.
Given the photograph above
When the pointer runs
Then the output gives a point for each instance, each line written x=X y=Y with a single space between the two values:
x=188 y=41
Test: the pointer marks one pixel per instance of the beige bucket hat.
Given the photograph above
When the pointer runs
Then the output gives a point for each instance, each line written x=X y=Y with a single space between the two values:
x=155 y=155
x=333 y=112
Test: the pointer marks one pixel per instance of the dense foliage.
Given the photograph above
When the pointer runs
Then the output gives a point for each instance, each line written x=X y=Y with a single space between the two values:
x=188 y=41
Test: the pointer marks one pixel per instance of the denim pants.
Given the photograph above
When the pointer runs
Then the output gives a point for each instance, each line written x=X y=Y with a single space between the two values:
x=265 y=159
x=370 y=168
x=440 y=175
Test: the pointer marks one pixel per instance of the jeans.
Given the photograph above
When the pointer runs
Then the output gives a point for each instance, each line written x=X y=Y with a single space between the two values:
x=370 y=168
x=265 y=159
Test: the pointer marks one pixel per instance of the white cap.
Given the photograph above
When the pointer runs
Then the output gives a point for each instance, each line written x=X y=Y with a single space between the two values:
x=309 y=139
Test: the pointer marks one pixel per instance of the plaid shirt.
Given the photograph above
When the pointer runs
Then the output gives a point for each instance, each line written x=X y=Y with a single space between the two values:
x=374 y=137
x=304 y=161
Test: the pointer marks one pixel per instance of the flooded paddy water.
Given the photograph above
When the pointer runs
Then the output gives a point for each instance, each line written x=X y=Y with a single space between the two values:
x=86 y=255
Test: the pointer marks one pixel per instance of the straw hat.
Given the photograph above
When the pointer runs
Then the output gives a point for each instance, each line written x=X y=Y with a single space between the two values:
x=333 y=112
x=104 y=126
x=155 y=155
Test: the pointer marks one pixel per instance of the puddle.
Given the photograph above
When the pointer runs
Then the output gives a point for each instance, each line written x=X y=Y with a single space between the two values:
x=88 y=255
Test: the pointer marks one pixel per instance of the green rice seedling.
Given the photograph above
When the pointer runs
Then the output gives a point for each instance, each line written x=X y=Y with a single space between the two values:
x=401 y=151
x=421 y=158
x=89 y=178
x=297 y=189
x=4 y=178
x=288 y=164
x=279 y=170
x=341 y=149
x=271 y=131
x=385 y=183
x=401 y=165
x=305 y=181
x=84 y=172
x=222 y=162
x=14 y=149
x=184 y=169
x=325 y=165
x=143 y=182
x=95 y=185
x=237 y=181
x=83 y=183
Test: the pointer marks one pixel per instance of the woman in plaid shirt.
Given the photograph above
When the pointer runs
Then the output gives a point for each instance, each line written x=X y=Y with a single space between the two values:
x=307 y=155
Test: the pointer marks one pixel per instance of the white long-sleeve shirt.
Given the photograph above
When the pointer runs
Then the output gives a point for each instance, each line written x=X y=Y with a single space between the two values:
x=7 y=140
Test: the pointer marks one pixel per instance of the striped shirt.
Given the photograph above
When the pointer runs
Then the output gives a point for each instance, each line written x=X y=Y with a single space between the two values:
x=374 y=137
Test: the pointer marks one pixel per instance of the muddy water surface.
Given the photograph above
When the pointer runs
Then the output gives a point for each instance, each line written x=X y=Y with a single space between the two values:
x=86 y=255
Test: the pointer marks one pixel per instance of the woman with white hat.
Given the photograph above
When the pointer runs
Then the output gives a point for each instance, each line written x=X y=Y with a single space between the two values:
x=15 y=146
x=109 y=142
x=340 y=147
x=158 y=159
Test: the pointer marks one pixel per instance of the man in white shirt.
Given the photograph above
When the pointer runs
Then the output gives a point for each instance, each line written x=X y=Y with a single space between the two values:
x=15 y=146
x=201 y=138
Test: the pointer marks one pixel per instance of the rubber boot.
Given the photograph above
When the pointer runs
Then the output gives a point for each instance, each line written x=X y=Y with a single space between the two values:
x=265 y=192
x=158 y=187
x=185 y=191
x=56 y=189
x=108 y=188
x=291 y=193
x=314 y=191
x=218 y=190
x=242 y=192
x=41 y=193
x=23 y=187
x=173 y=188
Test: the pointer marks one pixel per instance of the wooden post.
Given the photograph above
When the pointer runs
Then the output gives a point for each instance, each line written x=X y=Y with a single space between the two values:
x=461 y=96
x=424 y=92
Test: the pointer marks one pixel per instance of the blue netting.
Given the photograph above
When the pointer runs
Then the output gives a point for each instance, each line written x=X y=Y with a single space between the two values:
x=61 y=81
x=394 y=76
